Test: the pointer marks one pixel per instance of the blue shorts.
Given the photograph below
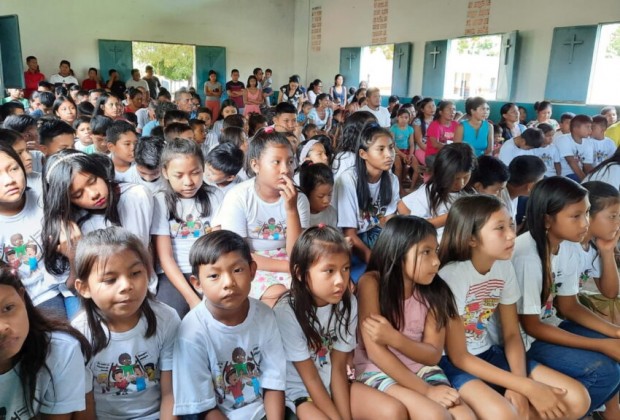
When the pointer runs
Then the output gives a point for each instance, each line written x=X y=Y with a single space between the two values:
x=495 y=356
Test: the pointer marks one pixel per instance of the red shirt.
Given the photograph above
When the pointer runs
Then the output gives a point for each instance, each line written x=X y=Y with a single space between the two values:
x=32 y=82
x=440 y=132
x=88 y=84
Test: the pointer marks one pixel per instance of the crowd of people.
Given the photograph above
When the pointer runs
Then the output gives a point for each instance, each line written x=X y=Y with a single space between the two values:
x=302 y=252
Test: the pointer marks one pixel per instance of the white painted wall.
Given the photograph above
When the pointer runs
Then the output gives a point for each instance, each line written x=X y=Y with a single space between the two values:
x=254 y=32
x=347 y=23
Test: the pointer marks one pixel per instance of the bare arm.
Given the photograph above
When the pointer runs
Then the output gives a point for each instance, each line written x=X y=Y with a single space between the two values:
x=274 y=404
x=574 y=165
x=167 y=399
x=458 y=134
x=417 y=135
x=574 y=311
x=312 y=381
x=608 y=283
x=340 y=383
x=359 y=247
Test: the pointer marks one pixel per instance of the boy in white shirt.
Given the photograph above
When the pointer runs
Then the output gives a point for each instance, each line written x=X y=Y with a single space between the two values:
x=576 y=149
x=602 y=146
x=222 y=166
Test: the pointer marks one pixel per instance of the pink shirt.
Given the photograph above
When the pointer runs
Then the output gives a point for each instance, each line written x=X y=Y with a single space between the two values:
x=413 y=328
x=440 y=132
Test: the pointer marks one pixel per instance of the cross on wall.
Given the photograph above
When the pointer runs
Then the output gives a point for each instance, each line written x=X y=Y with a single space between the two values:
x=571 y=43
x=434 y=54
x=400 y=54
x=507 y=47
x=351 y=57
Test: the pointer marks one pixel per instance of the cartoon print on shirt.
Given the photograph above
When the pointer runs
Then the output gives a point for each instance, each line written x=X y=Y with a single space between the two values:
x=239 y=378
x=480 y=303
x=327 y=344
x=193 y=227
x=22 y=255
x=125 y=375
x=271 y=229
x=371 y=217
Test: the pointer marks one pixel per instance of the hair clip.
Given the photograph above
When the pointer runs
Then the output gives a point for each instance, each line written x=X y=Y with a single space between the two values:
x=268 y=130
x=55 y=164
x=306 y=149
x=321 y=225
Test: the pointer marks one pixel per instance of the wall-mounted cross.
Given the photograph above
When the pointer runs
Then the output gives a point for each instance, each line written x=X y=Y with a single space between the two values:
x=210 y=55
x=351 y=57
x=434 y=54
x=507 y=48
x=400 y=54
x=572 y=44
x=114 y=50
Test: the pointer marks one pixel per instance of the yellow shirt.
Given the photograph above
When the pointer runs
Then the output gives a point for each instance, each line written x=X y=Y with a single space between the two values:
x=613 y=132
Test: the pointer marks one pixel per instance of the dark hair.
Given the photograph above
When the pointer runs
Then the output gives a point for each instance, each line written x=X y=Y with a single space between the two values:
x=133 y=71
x=306 y=130
x=607 y=109
x=579 y=120
x=567 y=116
x=19 y=123
x=36 y=347
x=177 y=115
x=327 y=144
x=10 y=137
x=85 y=108
x=208 y=249
x=204 y=110
x=402 y=111
x=533 y=137
x=103 y=99
x=319 y=98
x=30 y=57
x=285 y=108
x=118 y=128
x=350 y=133
x=600 y=120
x=601 y=195
x=548 y=198
x=163 y=92
x=184 y=147
x=162 y=108
x=148 y=152
x=175 y=129
x=212 y=72
x=57 y=207
x=60 y=100
x=233 y=135
x=525 y=169
x=490 y=170
x=541 y=106
x=99 y=124
x=97 y=248
x=254 y=121
x=194 y=122
x=419 y=107
x=604 y=165
x=268 y=71
x=252 y=77
x=312 y=175
x=92 y=69
x=133 y=92
x=314 y=243
x=227 y=158
x=80 y=120
x=131 y=118
x=545 y=128
x=294 y=79
x=10 y=152
x=65 y=62
x=261 y=141
x=8 y=109
x=367 y=137
x=503 y=125
x=473 y=103
x=53 y=127
x=466 y=218
x=235 y=120
x=225 y=104
x=234 y=71
x=388 y=257
x=451 y=159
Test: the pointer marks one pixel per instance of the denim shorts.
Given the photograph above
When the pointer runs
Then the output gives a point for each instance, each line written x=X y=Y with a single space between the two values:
x=495 y=356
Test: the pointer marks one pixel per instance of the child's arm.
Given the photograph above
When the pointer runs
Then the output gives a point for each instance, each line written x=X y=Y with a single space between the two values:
x=274 y=404
x=558 y=168
x=417 y=135
x=608 y=283
x=293 y=223
x=340 y=383
x=573 y=162
x=167 y=399
x=458 y=134
x=328 y=125
x=279 y=96
x=312 y=381
x=163 y=249
x=359 y=247
x=269 y=264
x=411 y=142
x=490 y=137
x=572 y=310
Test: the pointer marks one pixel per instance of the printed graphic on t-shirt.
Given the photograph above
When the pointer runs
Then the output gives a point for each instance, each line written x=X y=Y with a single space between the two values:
x=480 y=303
x=547 y=158
x=192 y=227
x=271 y=229
x=126 y=375
x=371 y=217
x=548 y=310
x=237 y=383
x=19 y=414
x=22 y=254
x=327 y=340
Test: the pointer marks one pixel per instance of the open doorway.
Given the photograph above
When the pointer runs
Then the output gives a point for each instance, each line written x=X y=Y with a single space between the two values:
x=376 y=67
x=173 y=64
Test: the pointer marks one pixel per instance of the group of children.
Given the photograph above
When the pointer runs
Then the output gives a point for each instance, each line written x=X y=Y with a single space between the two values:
x=245 y=270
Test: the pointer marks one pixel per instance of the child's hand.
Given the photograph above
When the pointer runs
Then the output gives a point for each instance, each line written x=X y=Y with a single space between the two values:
x=519 y=402
x=349 y=242
x=444 y=395
x=608 y=245
x=379 y=329
x=68 y=242
x=546 y=400
x=288 y=192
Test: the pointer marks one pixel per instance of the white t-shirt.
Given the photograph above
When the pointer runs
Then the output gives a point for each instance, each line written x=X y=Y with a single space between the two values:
x=568 y=147
x=328 y=217
x=137 y=83
x=477 y=296
x=57 y=78
x=37 y=161
x=60 y=393
x=590 y=269
x=334 y=337
x=134 y=177
x=349 y=213
x=262 y=224
x=418 y=203
x=610 y=174
x=510 y=203
x=143 y=117
x=550 y=155
x=342 y=162
x=602 y=149
x=184 y=234
x=509 y=151
x=20 y=237
x=34 y=181
x=565 y=268
x=227 y=366
x=125 y=374
x=123 y=176
x=382 y=115
x=237 y=180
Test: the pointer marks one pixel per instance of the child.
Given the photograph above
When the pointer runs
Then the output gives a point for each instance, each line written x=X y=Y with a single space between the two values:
x=489 y=177
x=65 y=109
x=440 y=132
x=404 y=309
x=426 y=113
x=564 y=128
x=310 y=130
x=131 y=334
x=576 y=149
x=83 y=133
x=122 y=139
x=547 y=263
x=310 y=151
x=228 y=108
x=255 y=123
x=177 y=130
x=252 y=97
x=42 y=359
x=598 y=282
x=451 y=172
x=603 y=147
x=524 y=144
x=509 y=124
x=205 y=114
x=183 y=213
x=213 y=93
x=366 y=195
x=548 y=152
x=27 y=126
x=235 y=136
x=475 y=257
x=268 y=212
x=345 y=155
x=199 y=129
x=55 y=135
x=99 y=126
x=267 y=89
x=405 y=147
x=223 y=166
x=147 y=170
x=229 y=344
x=543 y=115
x=284 y=120
x=17 y=141
x=525 y=172
x=608 y=171
x=316 y=181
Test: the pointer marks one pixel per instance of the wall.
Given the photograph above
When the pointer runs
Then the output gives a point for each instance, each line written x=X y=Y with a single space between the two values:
x=347 y=23
x=255 y=33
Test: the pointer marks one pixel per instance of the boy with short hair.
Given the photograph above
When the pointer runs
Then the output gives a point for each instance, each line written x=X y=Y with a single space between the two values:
x=98 y=127
x=122 y=139
x=55 y=135
x=199 y=129
x=490 y=176
x=285 y=118
x=205 y=115
x=603 y=147
x=229 y=345
x=525 y=172
x=223 y=166
x=267 y=89
x=576 y=149
x=146 y=170
x=565 y=120
x=178 y=130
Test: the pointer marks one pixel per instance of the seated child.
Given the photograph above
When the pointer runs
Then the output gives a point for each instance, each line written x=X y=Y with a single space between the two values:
x=603 y=147
x=489 y=177
x=223 y=165
x=122 y=138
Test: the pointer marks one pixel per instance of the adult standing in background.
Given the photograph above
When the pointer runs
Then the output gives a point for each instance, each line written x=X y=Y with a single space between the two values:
x=93 y=81
x=234 y=90
x=152 y=81
x=136 y=81
x=115 y=84
x=32 y=76
x=63 y=77
x=213 y=93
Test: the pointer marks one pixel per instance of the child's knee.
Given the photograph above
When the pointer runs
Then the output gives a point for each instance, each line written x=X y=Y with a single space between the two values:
x=392 y=409
x=577 y=400
x=436 y=412
x=499 y=411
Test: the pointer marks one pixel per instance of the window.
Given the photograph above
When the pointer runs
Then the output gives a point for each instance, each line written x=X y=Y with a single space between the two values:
x=604 y=82
x=173 y=63
x=376 y=67
x=472 y=67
